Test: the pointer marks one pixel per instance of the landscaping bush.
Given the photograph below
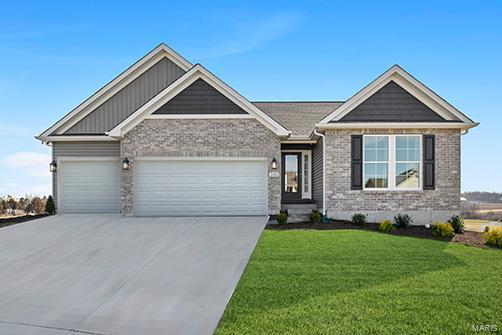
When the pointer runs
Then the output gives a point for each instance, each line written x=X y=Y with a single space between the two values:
x=282 y=218
x=457 y=222
x=402 y=221
x=442 y=229
x=50 y=207
x=359 y=219
x=315 y=217
x=493 y=237
x=386 y=226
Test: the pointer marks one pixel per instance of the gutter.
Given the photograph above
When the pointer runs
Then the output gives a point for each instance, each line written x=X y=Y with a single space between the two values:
x=323 y=171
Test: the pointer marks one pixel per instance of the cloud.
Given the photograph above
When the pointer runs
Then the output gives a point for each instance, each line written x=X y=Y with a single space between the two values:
x=249 y=35
x=32 y=163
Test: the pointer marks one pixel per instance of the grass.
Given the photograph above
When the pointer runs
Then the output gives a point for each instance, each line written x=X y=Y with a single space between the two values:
x=361 y=282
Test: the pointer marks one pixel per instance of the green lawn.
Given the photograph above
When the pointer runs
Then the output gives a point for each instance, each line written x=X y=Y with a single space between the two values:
x=361 y=282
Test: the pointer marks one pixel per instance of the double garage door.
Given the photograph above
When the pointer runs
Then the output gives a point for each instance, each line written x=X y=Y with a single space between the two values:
x=167 y=187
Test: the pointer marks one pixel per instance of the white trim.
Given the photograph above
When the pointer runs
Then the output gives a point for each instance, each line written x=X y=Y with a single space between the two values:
x=410 y=84
x=299 y=142
x=192 y=158
x=197 y=72
x=308 y=194
x=391 y=163
x=59 y=172
x=198 y=116
x=397 y=125
x=114 y=86
x=82 y=138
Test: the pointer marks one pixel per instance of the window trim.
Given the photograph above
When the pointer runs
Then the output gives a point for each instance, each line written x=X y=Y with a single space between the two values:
x=391 y=164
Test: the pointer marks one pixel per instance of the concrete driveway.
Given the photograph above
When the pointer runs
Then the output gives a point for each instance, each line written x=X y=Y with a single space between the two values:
x=113 y=275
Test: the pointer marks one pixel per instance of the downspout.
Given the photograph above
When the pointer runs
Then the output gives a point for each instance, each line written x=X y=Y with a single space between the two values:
x=323 y=171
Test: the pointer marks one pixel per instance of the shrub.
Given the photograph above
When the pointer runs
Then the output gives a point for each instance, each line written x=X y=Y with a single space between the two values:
x=442 y=229
x=282 y=218
x=359 y=219
x=457 y=222
x=403 y=220
x=493 y=237
x=50 y=207
x=386 y=226
x=315 y=217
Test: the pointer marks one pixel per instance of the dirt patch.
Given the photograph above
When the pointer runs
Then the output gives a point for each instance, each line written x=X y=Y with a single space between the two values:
x=4 y=222
x=468 y=238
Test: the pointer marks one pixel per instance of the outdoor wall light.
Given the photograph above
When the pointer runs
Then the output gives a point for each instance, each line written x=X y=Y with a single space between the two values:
x=273 y=165
x=125 y=164
x=53 y=166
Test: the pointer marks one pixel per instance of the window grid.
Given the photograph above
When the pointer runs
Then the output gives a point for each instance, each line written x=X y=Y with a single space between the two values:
x=408 y=146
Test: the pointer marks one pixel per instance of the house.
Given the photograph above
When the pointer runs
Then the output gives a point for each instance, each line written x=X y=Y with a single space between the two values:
x=169 y=138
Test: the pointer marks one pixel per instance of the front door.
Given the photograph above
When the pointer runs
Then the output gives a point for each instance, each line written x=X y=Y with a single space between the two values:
x=291 y=177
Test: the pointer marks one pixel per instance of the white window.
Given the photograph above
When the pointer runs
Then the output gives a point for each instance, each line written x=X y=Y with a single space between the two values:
x=392 y=162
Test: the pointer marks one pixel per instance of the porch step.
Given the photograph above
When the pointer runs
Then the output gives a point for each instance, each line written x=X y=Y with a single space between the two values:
x=298 y=212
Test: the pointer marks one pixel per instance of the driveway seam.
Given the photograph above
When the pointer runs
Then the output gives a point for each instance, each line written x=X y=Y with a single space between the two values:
x=138 y=271
x=49 y=327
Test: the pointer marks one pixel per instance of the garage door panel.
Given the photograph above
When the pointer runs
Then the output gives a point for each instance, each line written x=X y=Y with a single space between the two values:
x=200 y=188
x=89 y=187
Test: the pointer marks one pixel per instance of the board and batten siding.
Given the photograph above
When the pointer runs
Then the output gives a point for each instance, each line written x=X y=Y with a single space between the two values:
x=82 y=149
x=317 y=171
x=129 y=99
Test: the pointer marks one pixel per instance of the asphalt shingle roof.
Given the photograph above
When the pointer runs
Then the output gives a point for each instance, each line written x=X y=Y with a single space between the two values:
x=298 y=117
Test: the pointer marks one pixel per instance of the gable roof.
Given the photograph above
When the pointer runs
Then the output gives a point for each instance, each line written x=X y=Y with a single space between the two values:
x=113 y=87
x=195 y=73
x=418 y=90
x=199 y=98
x=299 y=117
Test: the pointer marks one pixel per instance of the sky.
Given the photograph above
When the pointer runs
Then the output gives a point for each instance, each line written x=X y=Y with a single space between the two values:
x=53 y=55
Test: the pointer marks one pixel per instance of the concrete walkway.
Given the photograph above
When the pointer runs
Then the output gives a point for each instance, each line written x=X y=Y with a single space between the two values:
x=113 y=275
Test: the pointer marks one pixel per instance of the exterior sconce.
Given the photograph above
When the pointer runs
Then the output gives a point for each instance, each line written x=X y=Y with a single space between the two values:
x=53 y=166
x=125 y=164
x=273 y=164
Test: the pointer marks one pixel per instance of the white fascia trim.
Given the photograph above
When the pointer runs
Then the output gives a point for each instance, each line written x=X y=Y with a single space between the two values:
x=199 y=116
x=410 y=84
x=116 y=85
x=191 y=158
x=397 y=125
x=74 y=138
x=197 y=72
x=296 y=141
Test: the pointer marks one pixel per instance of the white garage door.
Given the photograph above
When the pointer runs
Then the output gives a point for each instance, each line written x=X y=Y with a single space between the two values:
x=89 y=187
x=200 y=188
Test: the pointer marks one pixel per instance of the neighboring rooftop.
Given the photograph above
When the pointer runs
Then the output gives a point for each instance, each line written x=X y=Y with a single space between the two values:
x=299 y=117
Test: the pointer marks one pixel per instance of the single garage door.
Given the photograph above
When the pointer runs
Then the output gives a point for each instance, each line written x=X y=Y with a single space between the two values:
x=200 y=187
x=89 y=187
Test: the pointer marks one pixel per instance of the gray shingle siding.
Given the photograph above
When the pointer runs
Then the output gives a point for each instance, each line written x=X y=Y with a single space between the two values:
x=200 y=98
x=317 y=163
x=82 y=149
x=392 y=103
x=129 y=99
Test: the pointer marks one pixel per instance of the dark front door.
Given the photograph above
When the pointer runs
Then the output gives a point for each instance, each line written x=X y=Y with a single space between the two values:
x=291 y=177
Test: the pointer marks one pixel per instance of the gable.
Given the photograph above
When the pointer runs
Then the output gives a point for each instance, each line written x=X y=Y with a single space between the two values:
x=199 y=98
x=392 y=103
x=129 y=99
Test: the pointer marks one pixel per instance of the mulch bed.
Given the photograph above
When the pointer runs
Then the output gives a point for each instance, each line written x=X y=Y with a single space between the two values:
x=468 y=238
x=4 y=222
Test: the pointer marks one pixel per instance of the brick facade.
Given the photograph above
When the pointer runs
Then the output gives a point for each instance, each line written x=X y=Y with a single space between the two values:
x=199 y=138
x=423 y=206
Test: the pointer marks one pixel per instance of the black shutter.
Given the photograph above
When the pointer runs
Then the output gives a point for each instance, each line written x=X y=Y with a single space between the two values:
x=357 y=162
x=429 y=162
